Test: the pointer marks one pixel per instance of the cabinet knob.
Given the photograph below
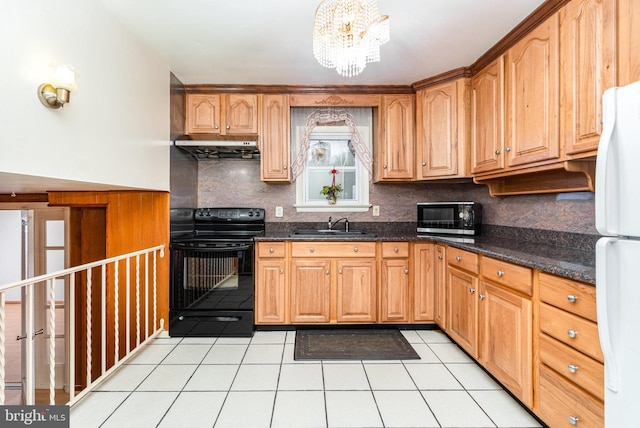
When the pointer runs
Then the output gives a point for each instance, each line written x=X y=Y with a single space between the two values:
x=497 y=152
x=439 y=257
x=572 y=368
x=472 y=290
x=481 y=296
x=458 y=258
x=284 y=167
x=281 y=271
x=507 y=149
x=500 y=273
x=572 y=333
x=395 y=250
x=327 y=271
x=311 y=250
x=571 y=298
x=573 y=420
x=384 y=166
x=424 y=164
x=406 y=271
x=355 y=249
x=271 y=250
x=216 y=127
x=228 y=127
x=340 y=271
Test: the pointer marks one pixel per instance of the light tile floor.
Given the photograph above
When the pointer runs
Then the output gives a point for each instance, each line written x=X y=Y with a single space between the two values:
x=255 y=382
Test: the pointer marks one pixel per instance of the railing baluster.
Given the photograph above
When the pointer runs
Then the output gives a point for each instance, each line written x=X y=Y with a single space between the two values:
x=138 y=327
x=127 y=318
x=103 y=316
x=2 y=347
x=116 y=315
x=88 y=309
x=52 y=342
x=71 y=301
x=146 y=295
x=30 y=391
x=155 y=291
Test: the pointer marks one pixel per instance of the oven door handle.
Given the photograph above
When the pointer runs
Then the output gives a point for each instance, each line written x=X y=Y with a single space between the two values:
x=187 y=247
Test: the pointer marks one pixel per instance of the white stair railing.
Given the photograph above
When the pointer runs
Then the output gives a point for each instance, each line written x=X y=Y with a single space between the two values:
x=141 y=331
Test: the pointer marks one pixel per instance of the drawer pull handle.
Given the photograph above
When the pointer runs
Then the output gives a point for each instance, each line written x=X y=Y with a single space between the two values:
x=472 y=290
x=327 y=271
x=311 y=250
x=573 y=420
x=572 y=368
x=571 y=298
x=396 y=250
x=458 y=258
x=355 y=249
x=271 y=250
x=572 y=333
x=500 y=273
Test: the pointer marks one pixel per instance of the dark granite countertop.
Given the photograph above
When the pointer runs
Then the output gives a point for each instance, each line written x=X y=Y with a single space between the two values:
x=565 y=254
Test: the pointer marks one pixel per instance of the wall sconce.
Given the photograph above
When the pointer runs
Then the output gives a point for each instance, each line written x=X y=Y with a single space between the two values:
x=57 y=93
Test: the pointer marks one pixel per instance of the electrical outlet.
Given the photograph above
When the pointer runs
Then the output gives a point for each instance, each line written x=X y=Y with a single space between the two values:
x=279 y=212
x=376 y=210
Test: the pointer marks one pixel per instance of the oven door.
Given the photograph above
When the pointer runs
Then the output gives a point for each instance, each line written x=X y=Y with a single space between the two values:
x=211 y=289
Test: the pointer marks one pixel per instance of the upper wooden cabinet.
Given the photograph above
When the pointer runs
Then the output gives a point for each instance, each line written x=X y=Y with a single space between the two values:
x=628 y=30
x=394 y=154
x=442 y=131
x=275 y=139
x=224 y=114
x=532 y=101
x=487 y=118
x=587 y=58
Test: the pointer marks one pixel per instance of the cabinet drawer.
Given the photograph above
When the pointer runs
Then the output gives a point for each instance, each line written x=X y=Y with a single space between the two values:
x=462 y=259
x=572 y=296
x=573 y=365
x=576 y=332
x=516 y=277
x=333 y=249
x=271 y=249
x=564 y=405
x=395 y=249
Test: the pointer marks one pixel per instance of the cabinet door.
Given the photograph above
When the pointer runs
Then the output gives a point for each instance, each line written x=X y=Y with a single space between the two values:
x=628 y=35
x=506 y=339
x=442 y=131
x=423 y=282
x=532 y=96
x=463 y=310
x=310 y=291
x=203 y=114
x=274 y=139
x=394 y=291
x=241 y=114
x=587 y=41
x=356 y=291
x=396 y=146
x=439 y=287
x=270 y=292
x=487 y=118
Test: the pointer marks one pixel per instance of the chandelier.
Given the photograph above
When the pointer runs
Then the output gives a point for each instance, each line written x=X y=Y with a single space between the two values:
x=347 y=34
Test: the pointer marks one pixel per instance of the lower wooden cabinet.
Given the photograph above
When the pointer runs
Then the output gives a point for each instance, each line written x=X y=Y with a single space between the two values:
x=424 y=268
x=356 y=289
x=462 y=311
x=310 y=291
x=440 y=287
x=271 y=288
x=394 y=283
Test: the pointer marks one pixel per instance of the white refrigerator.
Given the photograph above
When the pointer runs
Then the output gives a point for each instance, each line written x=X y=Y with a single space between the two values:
x=618 y=254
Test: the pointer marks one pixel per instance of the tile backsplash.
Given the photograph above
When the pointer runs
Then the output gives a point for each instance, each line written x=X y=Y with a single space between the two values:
x=237 y=183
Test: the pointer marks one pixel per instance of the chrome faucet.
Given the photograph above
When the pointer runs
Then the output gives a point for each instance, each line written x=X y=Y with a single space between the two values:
x=330 y=224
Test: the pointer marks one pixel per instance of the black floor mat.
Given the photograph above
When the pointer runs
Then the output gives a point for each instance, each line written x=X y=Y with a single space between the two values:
x=353 y=344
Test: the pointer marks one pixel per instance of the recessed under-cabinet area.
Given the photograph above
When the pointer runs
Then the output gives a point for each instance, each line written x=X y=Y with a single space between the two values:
x=534 y=332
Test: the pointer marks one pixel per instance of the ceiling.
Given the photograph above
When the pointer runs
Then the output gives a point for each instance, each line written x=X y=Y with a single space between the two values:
x=269 y=42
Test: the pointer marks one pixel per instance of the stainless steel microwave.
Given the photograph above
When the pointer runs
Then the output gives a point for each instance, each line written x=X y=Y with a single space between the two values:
x=449 y=218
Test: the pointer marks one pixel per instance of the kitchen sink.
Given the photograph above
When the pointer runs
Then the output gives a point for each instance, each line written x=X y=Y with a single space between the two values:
x=319 y=233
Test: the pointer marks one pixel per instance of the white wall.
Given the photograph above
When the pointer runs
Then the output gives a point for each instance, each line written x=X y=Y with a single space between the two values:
x=115 y=130
x=10 y=250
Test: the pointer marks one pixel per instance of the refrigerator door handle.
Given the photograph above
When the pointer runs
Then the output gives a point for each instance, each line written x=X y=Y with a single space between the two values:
x=606 y=179
x=604 y=282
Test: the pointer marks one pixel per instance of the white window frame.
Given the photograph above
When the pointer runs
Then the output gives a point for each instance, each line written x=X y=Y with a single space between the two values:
x=361 y=204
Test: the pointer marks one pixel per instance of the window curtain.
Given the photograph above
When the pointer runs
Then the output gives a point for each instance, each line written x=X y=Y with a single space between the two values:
x=309 y=118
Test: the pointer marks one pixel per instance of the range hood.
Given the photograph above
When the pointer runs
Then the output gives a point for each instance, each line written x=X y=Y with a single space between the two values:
x=211 y=146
